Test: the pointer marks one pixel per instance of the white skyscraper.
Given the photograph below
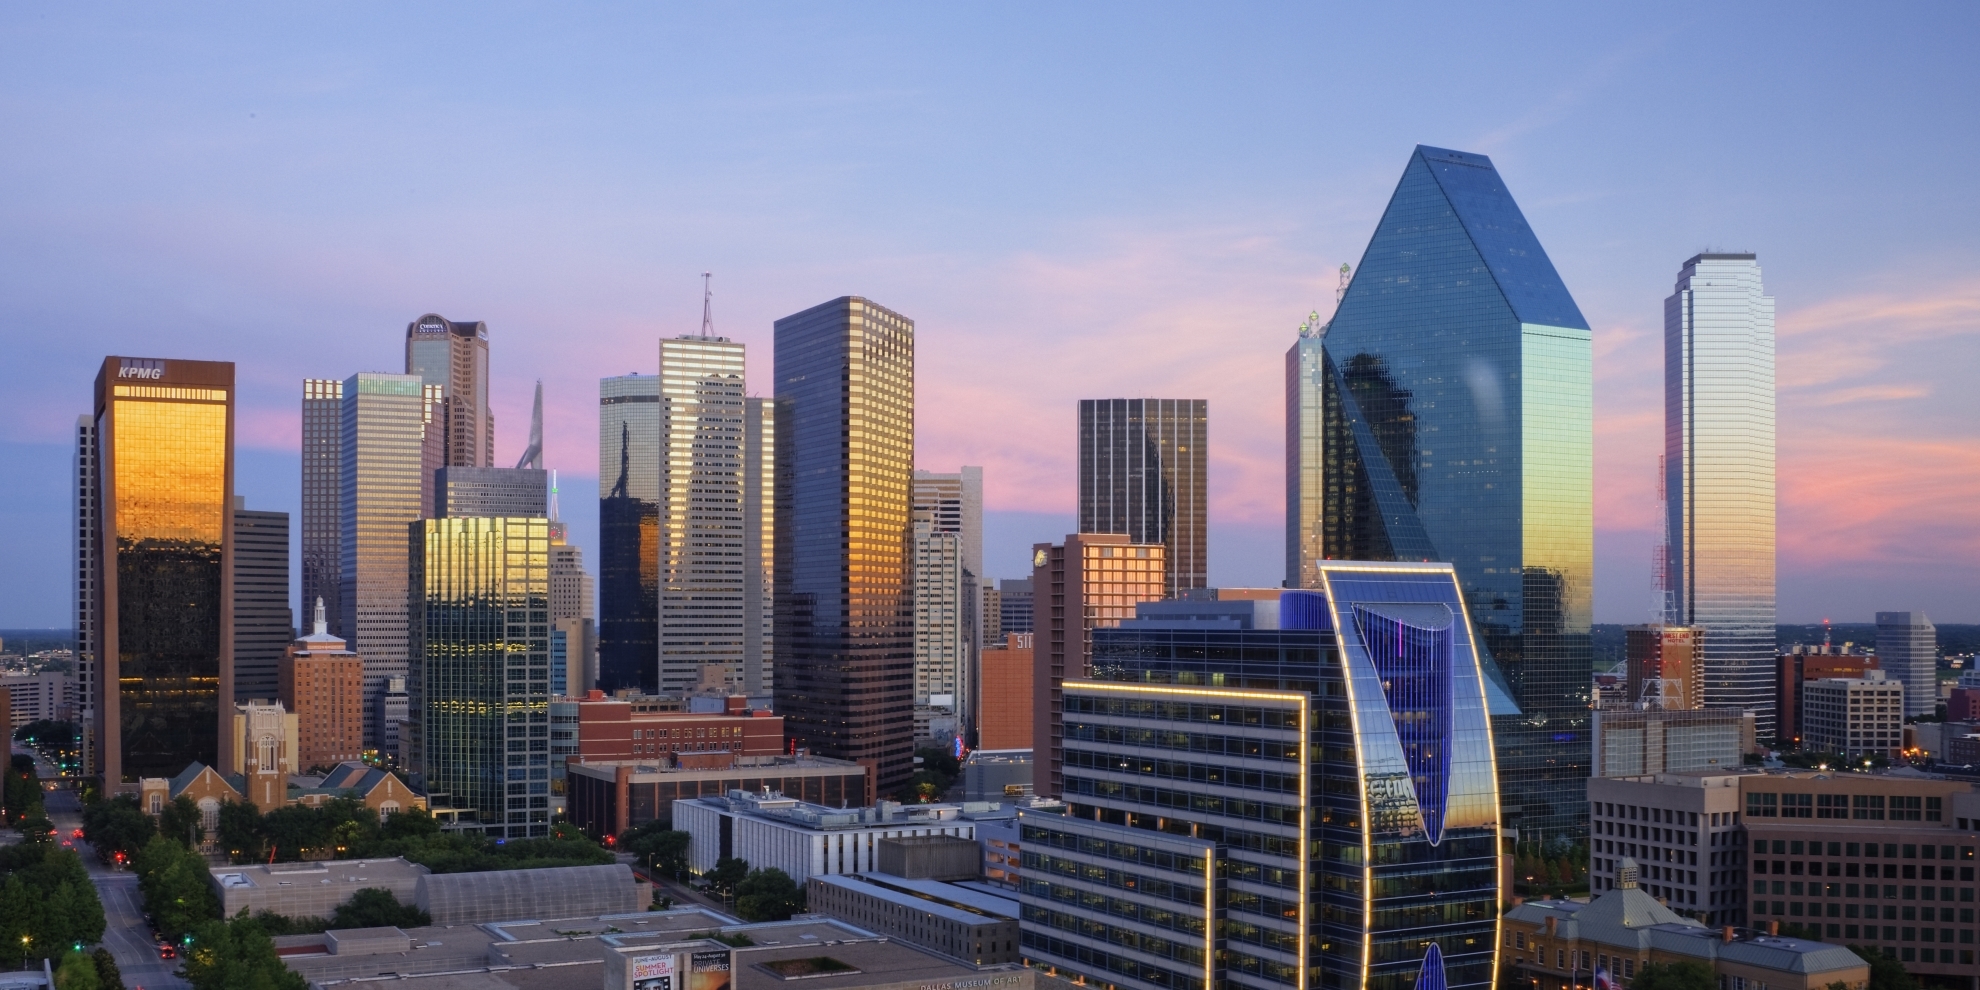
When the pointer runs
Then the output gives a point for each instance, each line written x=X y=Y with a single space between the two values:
x=1908 y=651
x=1719 y=474
x=941 y=632
x=383 y=480
x=707 y=556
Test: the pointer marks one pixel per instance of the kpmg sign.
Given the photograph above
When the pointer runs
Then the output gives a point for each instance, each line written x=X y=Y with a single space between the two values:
x=148 y=369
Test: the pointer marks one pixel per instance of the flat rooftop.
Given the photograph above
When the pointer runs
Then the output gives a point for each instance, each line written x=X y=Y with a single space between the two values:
x=568 y=954
x=944 y=900
x=344 y=872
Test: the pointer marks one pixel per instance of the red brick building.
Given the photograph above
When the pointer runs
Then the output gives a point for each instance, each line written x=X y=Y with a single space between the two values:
x=611 y=728
x=322 y=685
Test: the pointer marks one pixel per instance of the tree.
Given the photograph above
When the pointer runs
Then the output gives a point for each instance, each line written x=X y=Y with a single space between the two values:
x=78 y=972
x=1674 y=976
x=117 y=826
x=179 y=821
x=1886 y=973
x=23 y=791
x=237 y=955
x=177 y=887
x=768 y=895
x=375 y=907
x=728 y=872
x=108 y=977
x=663 y=848
x=240 y=831
x=412 y=823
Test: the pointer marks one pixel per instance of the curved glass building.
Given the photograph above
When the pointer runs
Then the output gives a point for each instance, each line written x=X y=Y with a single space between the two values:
x=1446 y=413
x=1300 y=797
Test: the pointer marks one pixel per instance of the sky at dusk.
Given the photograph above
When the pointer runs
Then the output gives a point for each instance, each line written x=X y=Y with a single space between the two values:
x=1071 y=201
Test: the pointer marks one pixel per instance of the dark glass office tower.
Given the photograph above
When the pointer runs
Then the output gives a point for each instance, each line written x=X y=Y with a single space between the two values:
x=264 y=626
x=1458 y=426
x=845 y=464
x=629 y=533
x=1142 y=469
x=322 y=496
x=165 y=609
x=1298 y=797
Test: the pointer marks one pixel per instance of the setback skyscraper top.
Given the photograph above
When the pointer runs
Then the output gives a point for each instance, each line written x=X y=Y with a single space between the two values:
x=1456 y=395
x=454 y=355
x=1719 y=475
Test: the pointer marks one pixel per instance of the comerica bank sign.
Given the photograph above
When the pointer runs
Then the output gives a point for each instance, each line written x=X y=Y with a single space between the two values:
x=146 y=368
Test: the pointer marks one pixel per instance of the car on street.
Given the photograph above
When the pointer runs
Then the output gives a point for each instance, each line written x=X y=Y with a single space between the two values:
x=167 y=950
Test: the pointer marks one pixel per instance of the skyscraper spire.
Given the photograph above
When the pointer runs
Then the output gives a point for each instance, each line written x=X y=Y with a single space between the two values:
x=533 y=455
x=555 y=515
x=707 y=309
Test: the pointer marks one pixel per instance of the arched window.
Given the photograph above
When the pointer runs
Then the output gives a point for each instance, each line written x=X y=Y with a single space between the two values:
x=157 y=803
x=269 y=754
x=209 y=815
x=387 y=809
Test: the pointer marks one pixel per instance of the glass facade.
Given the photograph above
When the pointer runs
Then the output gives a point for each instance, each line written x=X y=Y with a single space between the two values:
x=1142 y=470
x=629 y=533
x=479 y=694
x=1305 y=457
x=322 y=426
x=490 y=491
x=1339 y=769
x=1455 y=391
x=382 y=486
x=760 y=545
x=1719 y=475
x=844 y=608
x=704 y=554
x=164 y=622
x=88 y=562
x=263 y=622
x=453 y=356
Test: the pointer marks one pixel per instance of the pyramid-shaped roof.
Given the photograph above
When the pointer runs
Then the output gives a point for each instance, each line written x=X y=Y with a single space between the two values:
x=1504 y=241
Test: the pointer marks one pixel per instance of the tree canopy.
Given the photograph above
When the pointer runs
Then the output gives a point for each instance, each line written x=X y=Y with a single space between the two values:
x=768 y=895
x=47 y=904
x=1674 y=976
x=237 y=955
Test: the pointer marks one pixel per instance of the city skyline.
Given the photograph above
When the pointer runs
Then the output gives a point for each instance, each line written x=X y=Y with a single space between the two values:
x=1084 y=237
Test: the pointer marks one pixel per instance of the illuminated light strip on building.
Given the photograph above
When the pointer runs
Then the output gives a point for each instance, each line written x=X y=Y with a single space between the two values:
x=1361 y=771
x=164 y=392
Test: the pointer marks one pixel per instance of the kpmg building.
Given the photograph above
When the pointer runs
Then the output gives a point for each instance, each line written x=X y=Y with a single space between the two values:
x=1301 y=798
x=1454 y=422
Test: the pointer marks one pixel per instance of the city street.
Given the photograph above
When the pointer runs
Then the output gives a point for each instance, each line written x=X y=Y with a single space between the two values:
x=124 y=932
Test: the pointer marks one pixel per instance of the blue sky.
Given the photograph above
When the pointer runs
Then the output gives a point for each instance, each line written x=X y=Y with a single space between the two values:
x=1071 y=201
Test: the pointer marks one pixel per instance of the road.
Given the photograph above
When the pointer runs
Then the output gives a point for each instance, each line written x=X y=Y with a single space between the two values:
x=125 y=933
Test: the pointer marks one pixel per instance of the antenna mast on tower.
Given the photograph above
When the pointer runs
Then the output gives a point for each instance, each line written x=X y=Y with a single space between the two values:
x=707 y=308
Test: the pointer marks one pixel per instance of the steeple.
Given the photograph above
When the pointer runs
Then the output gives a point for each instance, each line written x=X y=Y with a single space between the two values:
x=322 y=624
x=320 y=640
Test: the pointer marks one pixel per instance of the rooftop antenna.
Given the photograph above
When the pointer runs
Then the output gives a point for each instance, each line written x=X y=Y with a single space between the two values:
x=707 y=308
x=533 y=455
x=555 y=516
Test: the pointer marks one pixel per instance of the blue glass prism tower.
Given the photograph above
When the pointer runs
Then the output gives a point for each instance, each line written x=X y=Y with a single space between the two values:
x=1300 y=794
x=1456 y=424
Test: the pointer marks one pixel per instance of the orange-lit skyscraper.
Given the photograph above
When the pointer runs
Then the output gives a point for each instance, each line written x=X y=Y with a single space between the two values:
x=845 y=462
x=164 y=593
x=1091 y=580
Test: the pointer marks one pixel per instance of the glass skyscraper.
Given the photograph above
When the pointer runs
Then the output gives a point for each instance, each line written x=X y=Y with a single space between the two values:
x=709 y=555
x=1719 y=475
x=479 y=690
x=322 y=426
x=383 y=485
x=1311 y=805
x=1457 y=425
x=1142 y=470
x=263 y=623
x=164 y=595
x=629 y=533
x=845 y=464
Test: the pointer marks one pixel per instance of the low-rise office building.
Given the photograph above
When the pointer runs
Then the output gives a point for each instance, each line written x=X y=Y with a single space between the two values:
x=1878 y=859
x=1854 y=716
x=973 y=926
x=637 y=727
x=1557 y=945
x=1631 y=742
x=805 y=839
x=607 y=798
